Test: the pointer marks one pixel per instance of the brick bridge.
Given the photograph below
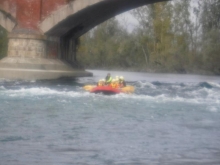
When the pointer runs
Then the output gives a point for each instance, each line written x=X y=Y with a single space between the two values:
x=43 y=34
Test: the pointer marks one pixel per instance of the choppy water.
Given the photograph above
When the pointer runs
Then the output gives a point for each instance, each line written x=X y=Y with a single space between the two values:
x=169 y=120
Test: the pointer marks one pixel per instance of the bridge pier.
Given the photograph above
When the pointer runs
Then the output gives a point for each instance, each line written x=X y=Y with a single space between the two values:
x=34 y=56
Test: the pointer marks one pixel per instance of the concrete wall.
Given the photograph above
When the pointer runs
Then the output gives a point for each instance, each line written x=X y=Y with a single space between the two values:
x=26 y=45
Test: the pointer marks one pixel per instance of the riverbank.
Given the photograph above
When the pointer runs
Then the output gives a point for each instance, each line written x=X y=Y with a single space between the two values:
x=166 y=71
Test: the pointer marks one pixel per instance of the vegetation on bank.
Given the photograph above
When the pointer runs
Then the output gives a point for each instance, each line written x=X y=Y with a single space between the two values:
x=171 y=37
x=3 y=42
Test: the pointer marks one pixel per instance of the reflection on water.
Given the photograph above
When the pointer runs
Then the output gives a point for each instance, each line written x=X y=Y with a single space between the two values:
x=166 y=121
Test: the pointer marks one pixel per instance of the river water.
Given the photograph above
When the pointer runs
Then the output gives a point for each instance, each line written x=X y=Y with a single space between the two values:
x=169 y=120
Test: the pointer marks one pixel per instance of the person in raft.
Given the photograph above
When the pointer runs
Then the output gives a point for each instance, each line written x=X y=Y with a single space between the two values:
x=108 y=79
x=117 y=82
x=122 y=82
x=101 y=82
x=114 y=83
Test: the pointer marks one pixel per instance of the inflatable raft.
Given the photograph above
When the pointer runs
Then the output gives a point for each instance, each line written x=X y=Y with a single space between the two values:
x=108 y=89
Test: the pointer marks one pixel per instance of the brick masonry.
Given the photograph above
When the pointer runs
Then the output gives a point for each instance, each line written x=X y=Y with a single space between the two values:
x=29 y=48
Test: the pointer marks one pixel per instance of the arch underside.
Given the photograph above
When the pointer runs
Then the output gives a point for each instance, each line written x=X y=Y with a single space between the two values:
x=6 y=20
x=85 y=19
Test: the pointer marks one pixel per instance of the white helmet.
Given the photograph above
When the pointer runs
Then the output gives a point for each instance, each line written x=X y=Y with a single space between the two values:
x=121 y=78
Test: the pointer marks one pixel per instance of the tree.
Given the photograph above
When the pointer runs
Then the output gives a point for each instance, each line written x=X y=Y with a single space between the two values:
x=210 y=21
x=3 y=42
x=175 y=36
x=155 y=33
x=103 y=46
x=181 y=30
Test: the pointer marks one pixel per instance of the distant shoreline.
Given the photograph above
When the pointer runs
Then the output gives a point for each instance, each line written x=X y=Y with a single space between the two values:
x=147 y=70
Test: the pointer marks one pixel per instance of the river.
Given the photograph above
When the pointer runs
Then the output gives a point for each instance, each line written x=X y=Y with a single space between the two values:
x=171 y=119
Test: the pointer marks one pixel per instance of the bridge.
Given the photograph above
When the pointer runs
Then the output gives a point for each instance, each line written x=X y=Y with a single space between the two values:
x=43 y=34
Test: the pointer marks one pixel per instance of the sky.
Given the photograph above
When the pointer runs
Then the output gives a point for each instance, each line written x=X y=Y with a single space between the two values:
x=130 y=22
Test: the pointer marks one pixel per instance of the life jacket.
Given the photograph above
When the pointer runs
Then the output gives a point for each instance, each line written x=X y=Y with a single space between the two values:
x=100 y=83
x=114 y=85
x=109 y=80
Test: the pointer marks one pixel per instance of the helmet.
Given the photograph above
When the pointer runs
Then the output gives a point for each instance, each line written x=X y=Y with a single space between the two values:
x=121 y=78
x=116 y=77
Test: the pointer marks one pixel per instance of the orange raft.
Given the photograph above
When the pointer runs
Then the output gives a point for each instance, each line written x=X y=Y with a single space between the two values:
x=108 y=89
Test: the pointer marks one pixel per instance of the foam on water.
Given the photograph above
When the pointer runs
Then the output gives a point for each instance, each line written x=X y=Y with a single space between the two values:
x=164 y=93
x=145 y=84
x=174 y=123
x=212 y=109
x=43 y=92
x=1 y=87
x=189 y=92
x=214 y=84
x=166 y=98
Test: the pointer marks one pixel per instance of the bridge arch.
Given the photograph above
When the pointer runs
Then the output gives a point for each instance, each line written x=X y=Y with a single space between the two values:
x=79 y=16
x=7 y=21
x=52 y=53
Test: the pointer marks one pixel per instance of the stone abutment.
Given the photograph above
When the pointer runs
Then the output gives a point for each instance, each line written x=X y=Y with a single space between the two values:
x=35 y=56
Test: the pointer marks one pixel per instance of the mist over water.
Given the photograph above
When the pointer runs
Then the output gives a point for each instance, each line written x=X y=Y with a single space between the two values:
x=170 y=119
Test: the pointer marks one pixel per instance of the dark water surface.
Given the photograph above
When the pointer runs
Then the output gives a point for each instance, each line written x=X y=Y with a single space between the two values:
x=169 y=120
